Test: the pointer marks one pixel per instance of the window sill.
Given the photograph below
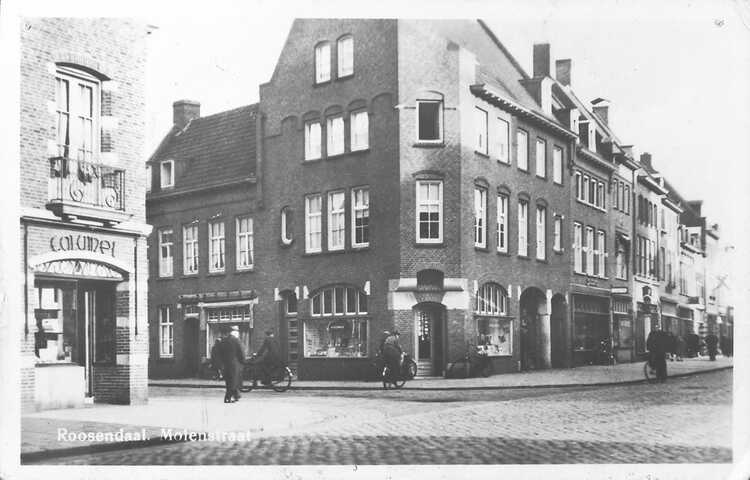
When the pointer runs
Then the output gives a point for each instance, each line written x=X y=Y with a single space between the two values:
x=244 y=270
x=524 y=257
x=428 y=144
x=524 y=170
x=479 y=248
x=503 y=162
x=429 y=245
x=345 y=77
x=559 y=252
x=481 y=154
x=165 y=360
x=542 y=260
x=323 y=83
x=360 y=248
x=189 y=275
x=503 y=254
x=360 y=151
x=335 y=156
x=216 y=274
x=544 y=178
x=559 y=184
x=312 y=160
x=160 y=278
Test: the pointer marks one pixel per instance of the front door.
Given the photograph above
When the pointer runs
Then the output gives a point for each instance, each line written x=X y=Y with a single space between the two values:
x=428 y=340
x=190 y=346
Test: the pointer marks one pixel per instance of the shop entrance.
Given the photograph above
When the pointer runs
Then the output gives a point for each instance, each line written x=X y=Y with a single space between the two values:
x=428 y=339
x=533 y=304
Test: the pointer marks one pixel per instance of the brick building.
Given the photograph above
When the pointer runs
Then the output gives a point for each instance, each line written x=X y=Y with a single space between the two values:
x=83 y=225
x=457 y=199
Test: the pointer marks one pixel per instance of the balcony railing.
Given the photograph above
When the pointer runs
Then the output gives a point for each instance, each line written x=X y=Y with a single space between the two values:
x=87 y=190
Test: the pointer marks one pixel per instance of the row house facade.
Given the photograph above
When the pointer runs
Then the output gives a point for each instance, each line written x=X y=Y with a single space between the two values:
x=457 y=199
x=83 y=217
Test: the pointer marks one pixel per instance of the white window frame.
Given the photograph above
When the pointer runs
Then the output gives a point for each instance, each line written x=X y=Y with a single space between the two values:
x=502 y=223
x=601 y=244
x=601 y=197
x=578 y=180
x=359 y=126
x=166 y=263
x=190 y=249
x=428 y=206
x=336 y=217
x=491 y=299
x=313 y=140
x=149 y=178
x=503 y=140
x=523 y=228
x=217 y=240
x=480 y=217
x=589 y=250
x=578 y=247
x=309 y=218
x=169 y=181
x=585 y=189
x=345 y=56
x=557 y=234
x=73 y=115
x=440 y=122
x=557 y=165
x=244 y=239
x=481 y=127
x=335 y=135
x=322 y=62
x=285 y=226
x=541 y=158
x=541 y=232
x=522 y=154
x=360 y=209
x=166 y=332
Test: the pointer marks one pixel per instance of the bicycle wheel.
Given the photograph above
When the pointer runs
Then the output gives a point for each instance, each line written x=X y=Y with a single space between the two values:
x=411 y=370
x=399 y=382
x=281 y=379
x=487 y=369
x=649 y=373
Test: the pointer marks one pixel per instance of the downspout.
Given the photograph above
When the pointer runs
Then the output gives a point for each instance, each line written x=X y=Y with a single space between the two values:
x=135 y=278
x=571 y=258
x=26 y=279
x=259 y=154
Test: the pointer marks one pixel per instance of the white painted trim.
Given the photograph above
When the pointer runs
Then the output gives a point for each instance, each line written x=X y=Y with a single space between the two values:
x=79 y=255
x=366 y=288
x=232 y=303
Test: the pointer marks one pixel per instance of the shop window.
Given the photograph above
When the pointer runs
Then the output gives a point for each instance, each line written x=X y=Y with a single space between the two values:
x=339 y=338
x=360 y=217
x=339 y=301
x=494 y=334
x=239 y=316
x=429 y=121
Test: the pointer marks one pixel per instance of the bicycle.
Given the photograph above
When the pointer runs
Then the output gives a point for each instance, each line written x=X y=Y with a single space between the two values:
x=475 y=362
x=408 y=372
x=649 y=372
x=280 y=376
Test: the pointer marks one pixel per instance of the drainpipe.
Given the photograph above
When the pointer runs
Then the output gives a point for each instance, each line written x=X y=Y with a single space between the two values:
x=26 y=279
x=135 y=275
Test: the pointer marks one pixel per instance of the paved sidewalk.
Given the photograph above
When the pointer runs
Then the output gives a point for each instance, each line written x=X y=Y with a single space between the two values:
x=588 y=375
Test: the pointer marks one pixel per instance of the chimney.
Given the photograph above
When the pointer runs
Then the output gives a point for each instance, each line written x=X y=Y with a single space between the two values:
x=562 y=71
x=184 y=111
x=600 y=106
x=646 y=160
x=541 y=60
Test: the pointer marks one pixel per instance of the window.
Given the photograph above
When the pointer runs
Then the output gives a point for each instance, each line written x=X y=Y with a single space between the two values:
x=336 y=221
x=522 y=149
x=244 y=243
x=322 y=62
x=621 y=261
x=345 y=56
x=579 y=186
x=480 y=217
x=77 y=109
x=480 y=124
x=167 y=174
x=557 y=165
x=290 y=303
x=491 y=299
x=503 y=141
x=578 y=247
x=523 y=227
x=166 y=333
x=627 y=199
x=339 y=300
x=429 y=211
x=493 y=332
x=149 y=178
x=360 y=217
x=589 y=249
x=359 y=125
x=585 y=191
x=599 y=254
x=616 y=189
x=190 y=249
x=337 y=337
x=601 y=197
x=557 y=240
x=429 y=121
x=166 y=245
x=335 y=136
x=541 y=232
x=312 y=140
x=313 y=223
x=541 y=158
x=592 y=192
x=286 y=226
x=502 y=223
x=216 y=246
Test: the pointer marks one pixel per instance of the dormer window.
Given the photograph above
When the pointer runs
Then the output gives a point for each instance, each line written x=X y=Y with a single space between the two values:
x=167 y=174
x=322 y=62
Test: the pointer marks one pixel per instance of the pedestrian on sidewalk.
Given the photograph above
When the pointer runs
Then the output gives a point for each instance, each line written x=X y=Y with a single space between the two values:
x=657 y=344
x=393 y=354
x=232 y=357
x=215 y=360
x=711 y=342
x=269 y=356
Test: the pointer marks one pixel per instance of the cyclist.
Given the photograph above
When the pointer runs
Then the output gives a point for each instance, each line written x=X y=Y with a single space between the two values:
x=393 y=354
x=657 y=344
x=269 y=356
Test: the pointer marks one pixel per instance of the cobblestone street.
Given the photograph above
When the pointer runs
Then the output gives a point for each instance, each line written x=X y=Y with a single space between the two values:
x=686 y=420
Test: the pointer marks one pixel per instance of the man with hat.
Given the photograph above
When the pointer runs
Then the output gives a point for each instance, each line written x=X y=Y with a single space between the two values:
x=269 y=356
x=393 y=354
x=231 y=357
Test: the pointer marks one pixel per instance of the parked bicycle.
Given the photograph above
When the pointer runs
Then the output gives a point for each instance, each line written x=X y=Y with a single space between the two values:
x=649 y=372
x=603 y=354
x=408 y=372
x=280 y=377
x=475 y=362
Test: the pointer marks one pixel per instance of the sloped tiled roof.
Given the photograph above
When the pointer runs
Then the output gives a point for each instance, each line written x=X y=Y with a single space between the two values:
x=212 y=150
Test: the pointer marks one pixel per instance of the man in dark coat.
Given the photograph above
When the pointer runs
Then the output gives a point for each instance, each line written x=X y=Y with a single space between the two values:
x=269 y=356
x=393 y=354
x=657 y=344
x=711 y=342
x=231 y=357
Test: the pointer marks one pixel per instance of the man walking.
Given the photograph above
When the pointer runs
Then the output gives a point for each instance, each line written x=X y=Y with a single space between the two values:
x=393 y=355
x=711 y=342
x=231 y=358
x=269 y=356
x=657 y=344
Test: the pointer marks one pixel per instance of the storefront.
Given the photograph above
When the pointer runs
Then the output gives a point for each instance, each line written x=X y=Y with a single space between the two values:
x=647 y=317
x=84 y=336
x=622 y=328
x=591 y=327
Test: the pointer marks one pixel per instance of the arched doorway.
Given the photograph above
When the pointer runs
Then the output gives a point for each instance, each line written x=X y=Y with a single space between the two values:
x=533 y=317
x=558 y=332
x=429 y=338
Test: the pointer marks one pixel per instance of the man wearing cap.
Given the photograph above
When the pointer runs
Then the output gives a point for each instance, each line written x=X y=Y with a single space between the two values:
x=231 y=357
x=269 y=356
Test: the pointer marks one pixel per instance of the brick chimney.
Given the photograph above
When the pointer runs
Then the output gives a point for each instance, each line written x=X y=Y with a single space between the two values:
x=541 y=60
x=185 y=110
x=646 y=161
x=600 y=107
x=563 y=71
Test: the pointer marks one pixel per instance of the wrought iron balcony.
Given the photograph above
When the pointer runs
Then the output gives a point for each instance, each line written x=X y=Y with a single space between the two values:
x=79 y=189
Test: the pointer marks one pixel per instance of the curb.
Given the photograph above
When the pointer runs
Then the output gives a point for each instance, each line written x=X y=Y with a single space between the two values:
x=462 y=388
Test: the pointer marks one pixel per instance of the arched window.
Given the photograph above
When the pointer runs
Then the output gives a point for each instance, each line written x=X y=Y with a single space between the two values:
x=337 y=328
x=491 y=299
x=322 y=62
x=494 y=330
x=345 y=54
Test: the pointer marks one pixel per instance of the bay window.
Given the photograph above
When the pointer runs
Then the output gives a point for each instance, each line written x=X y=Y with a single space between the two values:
x=77 y=110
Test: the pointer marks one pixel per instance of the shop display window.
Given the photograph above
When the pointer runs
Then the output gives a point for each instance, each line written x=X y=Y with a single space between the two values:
x=341 y=338
x=589 y=331
x=214 y=332
x=494 y=335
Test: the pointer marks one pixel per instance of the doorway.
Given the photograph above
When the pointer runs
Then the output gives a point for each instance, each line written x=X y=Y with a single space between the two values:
x=429 y=339
x=532 y=305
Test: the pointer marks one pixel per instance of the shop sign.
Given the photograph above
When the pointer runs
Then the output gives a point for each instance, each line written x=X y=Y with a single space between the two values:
x=78 y=268
x=619 y=290
x=67 y=243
